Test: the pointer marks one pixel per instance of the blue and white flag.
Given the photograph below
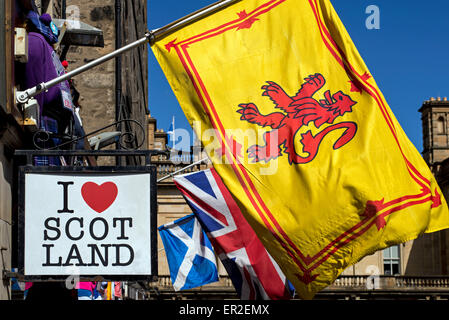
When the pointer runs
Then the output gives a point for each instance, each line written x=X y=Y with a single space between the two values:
x=171 y=130
x=190 y=255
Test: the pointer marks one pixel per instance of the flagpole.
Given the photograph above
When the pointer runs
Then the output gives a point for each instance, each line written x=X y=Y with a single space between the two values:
x=158 y=34
x=173 y=132
x=180 y=170
x=22 y=97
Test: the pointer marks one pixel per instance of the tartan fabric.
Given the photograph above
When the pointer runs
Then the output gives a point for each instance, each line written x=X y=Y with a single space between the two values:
x=50 y=125
x=43 y=28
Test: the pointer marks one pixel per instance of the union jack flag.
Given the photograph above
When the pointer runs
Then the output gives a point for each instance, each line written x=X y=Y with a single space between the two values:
x=254 y=273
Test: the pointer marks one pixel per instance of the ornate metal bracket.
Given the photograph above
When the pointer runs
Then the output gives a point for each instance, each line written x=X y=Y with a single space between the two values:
x=83 y=153
x=125 y=139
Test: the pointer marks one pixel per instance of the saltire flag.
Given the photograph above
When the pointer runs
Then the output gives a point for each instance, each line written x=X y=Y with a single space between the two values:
x=253 y=272
x=171 y=129
x=190 y=256
x=301 y=135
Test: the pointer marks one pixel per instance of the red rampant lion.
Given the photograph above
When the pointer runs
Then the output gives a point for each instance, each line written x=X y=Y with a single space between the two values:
x=298 y=111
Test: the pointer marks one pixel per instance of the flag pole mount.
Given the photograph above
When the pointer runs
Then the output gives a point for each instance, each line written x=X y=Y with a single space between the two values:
x=22 y=97
x=182 y=169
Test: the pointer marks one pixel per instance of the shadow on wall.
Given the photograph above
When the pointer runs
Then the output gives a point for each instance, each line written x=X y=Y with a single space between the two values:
x=427 y=256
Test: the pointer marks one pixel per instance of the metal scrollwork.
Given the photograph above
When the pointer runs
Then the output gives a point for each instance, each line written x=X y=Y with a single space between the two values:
x=128 y=139
x=41 y=137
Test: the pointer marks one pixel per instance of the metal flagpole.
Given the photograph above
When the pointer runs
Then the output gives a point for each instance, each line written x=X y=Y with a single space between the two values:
x=173 y=132
x=180 y=170
x=22 y=97
x=160 y=33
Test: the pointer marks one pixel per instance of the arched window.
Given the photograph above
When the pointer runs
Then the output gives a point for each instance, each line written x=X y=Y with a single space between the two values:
x=440 y=126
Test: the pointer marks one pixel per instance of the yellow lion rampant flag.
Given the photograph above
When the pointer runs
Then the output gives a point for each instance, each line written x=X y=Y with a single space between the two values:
x=301 y=135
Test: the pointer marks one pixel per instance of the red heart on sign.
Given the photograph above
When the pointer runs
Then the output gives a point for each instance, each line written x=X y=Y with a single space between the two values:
x=99 y=197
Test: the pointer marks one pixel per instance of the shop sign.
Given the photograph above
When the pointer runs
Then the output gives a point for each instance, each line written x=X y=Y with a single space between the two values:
x=87 y=222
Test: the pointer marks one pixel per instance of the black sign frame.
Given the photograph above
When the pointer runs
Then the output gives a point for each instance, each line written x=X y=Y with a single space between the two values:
x=79 y=170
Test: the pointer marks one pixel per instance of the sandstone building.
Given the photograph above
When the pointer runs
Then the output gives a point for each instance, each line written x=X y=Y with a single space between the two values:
x=117 y=89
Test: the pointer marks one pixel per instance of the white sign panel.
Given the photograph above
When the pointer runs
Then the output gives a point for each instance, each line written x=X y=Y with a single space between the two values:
x=87 y=224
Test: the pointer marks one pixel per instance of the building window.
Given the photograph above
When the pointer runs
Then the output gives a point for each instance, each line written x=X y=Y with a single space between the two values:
x=440 y=125
x=392 y=260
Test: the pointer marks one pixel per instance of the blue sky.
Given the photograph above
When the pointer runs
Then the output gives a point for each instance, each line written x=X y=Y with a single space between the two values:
x=408 y=55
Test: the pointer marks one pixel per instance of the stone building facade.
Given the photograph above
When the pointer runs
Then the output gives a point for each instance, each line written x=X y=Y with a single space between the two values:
x=10 y=133
x=435 y=125
x=434 y=117
x=117 y=89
